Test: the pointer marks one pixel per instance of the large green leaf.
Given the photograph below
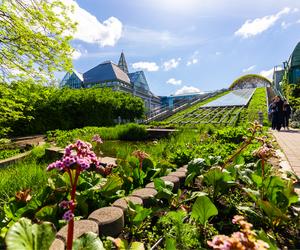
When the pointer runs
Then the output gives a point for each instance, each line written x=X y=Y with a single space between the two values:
x=266 y=238
x=47 y=213
x=88 y=241
x=26 y=236
x=113 y=184
x=203 y=209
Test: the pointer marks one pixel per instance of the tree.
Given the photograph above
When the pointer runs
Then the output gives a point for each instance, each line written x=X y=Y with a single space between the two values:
x=34 y=39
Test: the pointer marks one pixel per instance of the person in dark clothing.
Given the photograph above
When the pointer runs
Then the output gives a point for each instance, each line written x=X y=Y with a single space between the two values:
x=271 y=111
x=277 y=115
x=286 y=114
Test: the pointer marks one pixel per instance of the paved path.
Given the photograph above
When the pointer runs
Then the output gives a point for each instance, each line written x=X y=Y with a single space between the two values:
x=289 y=141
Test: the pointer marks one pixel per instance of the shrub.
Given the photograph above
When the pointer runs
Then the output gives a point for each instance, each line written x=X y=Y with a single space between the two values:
x=133 y=132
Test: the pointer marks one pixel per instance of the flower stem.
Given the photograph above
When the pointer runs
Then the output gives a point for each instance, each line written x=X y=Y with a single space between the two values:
x=72 y=208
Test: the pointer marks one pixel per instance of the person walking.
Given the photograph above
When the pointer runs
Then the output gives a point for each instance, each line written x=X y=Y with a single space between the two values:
x=277 y=115
x=271 y=111
x=286 y=114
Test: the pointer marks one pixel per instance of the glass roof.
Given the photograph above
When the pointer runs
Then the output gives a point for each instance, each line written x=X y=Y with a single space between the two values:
x=239 y=97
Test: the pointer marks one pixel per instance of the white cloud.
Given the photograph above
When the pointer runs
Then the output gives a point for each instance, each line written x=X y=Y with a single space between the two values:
x=161 y=38
x=187 y=90
x=267 y=73
x=173 y=81
x=249 y=68
x=218 y=53
x=254 y=27
x=171 y=64
x=76 y=54
x=149 y=66
x=91 y=30
x=193 y=61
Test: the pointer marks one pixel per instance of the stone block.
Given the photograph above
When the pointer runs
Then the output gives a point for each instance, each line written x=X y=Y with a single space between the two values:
x=57 y=244
x=80 y=227
x=181 y=175
x=123 y=204
x=109 y=219
x=146 y=194
x=175 y=180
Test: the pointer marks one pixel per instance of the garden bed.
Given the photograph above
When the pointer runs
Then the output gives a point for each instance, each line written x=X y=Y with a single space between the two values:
x=225 y=184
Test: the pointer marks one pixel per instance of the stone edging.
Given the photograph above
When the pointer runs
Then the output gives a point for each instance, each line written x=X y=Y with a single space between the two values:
x=109 y=221
x=13 y=159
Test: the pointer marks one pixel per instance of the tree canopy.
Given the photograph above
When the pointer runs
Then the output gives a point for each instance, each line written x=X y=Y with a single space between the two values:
x=34 y=39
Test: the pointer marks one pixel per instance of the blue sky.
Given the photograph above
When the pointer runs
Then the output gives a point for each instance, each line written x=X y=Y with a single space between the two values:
x=186 y=45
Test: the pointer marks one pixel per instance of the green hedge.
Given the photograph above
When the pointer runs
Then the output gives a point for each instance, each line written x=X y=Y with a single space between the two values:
x=75 y=108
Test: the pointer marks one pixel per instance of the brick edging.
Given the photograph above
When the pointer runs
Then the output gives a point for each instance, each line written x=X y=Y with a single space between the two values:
x=110 y=220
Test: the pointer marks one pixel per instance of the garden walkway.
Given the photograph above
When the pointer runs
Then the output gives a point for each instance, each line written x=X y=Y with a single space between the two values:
x=289 y=141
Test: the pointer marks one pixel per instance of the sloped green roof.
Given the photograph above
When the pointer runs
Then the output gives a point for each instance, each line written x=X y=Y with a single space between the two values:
x=295 y=57
x=250 y=80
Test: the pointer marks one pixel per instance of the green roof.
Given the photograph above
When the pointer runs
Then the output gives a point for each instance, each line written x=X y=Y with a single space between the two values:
x=295 y=57
x=249 y=81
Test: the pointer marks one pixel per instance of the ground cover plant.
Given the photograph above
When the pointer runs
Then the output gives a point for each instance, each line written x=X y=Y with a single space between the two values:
x=215 y=199
x=257 y=104
x=239 y=186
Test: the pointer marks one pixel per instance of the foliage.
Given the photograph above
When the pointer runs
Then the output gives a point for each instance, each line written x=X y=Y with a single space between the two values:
x=203 y=209
x=179 y=235
x=133 y=132
x=6 y=153
x=24 y=235
x=30 y=108
x=292 y=94
x=88 y=241
x=47 y=28
x=256 y=104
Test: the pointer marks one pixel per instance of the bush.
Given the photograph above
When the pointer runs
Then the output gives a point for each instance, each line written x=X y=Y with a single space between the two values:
x=133 y=132
x=76 y=108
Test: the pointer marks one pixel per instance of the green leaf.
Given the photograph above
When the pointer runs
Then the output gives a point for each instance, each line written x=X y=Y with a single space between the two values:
x=170 y=243
x=47 y=213
x=257 y=179
x=203 y=209
x=137 y=246
x=26 y=236
x=271 y=242
x=88 y=241
x=113 y=184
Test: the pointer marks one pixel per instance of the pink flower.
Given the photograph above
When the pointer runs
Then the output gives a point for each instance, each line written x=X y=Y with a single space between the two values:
x=97 y=139
x=69 y=160
x=66 y=204
x=68 y=215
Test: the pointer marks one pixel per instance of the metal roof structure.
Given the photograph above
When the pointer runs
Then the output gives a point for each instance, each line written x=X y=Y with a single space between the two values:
x=294 y=60
x=122 y=63
x=107 y=71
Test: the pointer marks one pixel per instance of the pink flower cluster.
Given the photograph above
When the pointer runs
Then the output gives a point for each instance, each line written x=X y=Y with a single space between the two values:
x=243 y=240
x=68 y=215
x=97 y=139
x=79 y=154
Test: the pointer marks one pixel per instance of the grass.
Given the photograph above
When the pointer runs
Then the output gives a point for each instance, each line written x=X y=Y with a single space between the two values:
x=257 y=103
x=64 y=137
x=20 y=176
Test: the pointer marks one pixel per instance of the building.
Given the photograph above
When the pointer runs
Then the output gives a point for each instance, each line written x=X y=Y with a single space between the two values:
x=292 y=66
x=117 y=77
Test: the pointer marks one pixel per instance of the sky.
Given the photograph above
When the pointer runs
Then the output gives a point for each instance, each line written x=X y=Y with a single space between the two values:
x=186 y=46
